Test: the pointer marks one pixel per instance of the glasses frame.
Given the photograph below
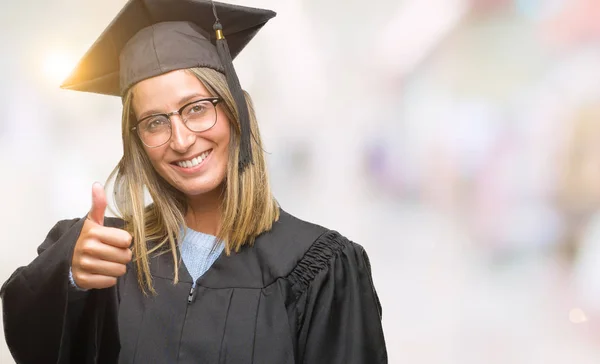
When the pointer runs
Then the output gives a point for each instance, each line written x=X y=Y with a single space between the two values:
x=214 y=100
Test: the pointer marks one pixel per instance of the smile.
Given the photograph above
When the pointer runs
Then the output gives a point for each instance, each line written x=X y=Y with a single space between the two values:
x=194 y=161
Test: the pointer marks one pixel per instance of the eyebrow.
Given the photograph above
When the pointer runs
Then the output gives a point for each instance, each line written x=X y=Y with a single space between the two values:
x=181 y=102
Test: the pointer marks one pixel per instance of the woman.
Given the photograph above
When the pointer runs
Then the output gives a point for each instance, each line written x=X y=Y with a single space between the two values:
x=212 y=271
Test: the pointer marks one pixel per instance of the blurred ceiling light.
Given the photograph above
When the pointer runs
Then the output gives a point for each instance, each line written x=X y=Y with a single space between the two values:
x=577 y=316
x=57 y=65
x=482 y=7
x=577 y=22
x=414 y=32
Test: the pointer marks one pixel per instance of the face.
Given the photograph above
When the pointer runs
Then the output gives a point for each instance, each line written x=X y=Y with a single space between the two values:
x=167 y=93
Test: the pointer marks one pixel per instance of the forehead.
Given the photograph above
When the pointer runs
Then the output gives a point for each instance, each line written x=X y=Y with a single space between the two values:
x=166 y=92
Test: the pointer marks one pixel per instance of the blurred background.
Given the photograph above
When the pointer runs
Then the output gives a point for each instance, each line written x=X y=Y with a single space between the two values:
x=457 y=140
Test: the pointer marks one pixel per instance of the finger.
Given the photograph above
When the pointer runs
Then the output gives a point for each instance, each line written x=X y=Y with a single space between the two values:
x=92 y=265
x=89 y=281
x=111 y=236
x=99 y=250
x=98 y=204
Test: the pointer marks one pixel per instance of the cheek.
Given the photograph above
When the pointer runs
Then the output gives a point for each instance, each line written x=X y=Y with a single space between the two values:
x=224 y=144
x=223 y=131
x=155 y=156
x=224 y=138
x=152 y=154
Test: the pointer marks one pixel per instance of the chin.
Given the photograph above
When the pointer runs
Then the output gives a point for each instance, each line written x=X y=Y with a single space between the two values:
x=201 y=185
x=193 y=192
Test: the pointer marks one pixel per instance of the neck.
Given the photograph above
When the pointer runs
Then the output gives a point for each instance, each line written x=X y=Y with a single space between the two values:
x=204 y=212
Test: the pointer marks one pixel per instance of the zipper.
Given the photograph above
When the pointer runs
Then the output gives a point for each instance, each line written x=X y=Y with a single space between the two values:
x=190 y=300
x=192 y=294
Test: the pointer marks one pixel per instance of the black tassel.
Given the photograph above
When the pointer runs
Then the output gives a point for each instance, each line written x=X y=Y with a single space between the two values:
x=245 y=153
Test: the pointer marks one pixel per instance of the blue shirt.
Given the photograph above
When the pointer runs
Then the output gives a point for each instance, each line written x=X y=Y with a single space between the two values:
x=198 y=251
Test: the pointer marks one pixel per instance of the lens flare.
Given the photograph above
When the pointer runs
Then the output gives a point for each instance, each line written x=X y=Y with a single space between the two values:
x=57 y=65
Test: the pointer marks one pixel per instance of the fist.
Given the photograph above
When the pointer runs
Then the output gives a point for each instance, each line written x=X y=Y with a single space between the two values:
x=101 y=253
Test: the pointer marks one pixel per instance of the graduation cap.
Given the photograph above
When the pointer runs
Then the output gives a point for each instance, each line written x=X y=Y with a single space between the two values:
x=152 y=37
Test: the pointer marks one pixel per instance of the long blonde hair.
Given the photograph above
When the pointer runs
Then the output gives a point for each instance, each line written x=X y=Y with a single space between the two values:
x=248 y=207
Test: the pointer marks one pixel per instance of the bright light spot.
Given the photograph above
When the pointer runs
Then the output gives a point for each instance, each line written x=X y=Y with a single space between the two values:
x=57 y=66
x=577 y=316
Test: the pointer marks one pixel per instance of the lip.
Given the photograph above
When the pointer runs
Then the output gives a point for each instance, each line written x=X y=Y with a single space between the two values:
x=195 y=168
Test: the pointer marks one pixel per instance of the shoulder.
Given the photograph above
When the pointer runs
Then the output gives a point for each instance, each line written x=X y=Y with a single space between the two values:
x=289 y=233
x=331 y=255
x=298 y=250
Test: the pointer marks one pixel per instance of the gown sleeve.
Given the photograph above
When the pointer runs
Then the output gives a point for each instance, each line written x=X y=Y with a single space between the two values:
x=48 y=321
x=339 y=320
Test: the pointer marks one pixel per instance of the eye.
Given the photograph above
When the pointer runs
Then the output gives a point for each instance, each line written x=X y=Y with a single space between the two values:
x=156 y=123
x=197 y=108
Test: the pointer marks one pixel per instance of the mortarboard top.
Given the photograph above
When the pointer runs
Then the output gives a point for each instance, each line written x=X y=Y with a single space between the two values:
x=187 y=41
x=152 y=37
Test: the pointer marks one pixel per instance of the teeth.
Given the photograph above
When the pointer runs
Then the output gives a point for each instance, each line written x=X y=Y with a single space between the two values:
x=195 y=161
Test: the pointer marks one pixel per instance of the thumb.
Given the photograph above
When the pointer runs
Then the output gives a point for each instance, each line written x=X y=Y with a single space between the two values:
x=98 y=204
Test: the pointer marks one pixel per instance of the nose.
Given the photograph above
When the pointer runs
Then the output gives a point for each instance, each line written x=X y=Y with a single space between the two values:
x=182 y=138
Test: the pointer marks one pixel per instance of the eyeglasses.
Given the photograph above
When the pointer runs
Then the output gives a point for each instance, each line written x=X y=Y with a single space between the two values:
x=198 y=116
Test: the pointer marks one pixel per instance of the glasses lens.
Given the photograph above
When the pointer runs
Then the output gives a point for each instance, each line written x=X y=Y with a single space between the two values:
x=200 y=116
x=155 y=131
